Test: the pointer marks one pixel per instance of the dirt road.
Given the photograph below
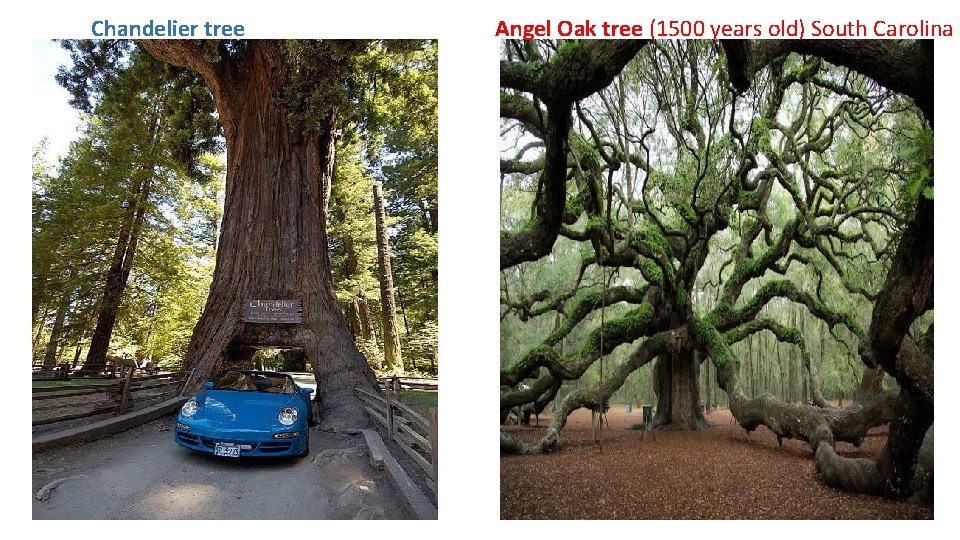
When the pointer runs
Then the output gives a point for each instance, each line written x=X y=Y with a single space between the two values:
x=143 y=474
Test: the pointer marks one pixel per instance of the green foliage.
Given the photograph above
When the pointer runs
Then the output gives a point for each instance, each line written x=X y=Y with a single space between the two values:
x=651 y=271
x=146 y=147
x=707 y=336
x=916 y=146
x=634 y=324
x=760 y=134
x=420 y=401
x=352 y=228
x=281 y=360
x=422 y=346
x=652 y=239
x=568 y=46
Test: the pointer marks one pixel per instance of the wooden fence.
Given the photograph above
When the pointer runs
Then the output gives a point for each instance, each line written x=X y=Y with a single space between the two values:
x=64 y=402
x=414 y=434
x=408 y=383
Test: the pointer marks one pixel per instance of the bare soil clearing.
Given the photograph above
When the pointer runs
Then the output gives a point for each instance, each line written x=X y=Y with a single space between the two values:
x=719 y=473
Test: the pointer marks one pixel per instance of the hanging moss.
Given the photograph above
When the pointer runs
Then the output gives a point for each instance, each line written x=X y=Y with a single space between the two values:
x=584 y=305
x=567 y=48
x=681 y=294
x=760 y=134
x=539 y=351
x=651 y=238
x=686 y=212
x=575 y=205
x=807 y=70
x=621 y=330
x=651 y=272
x=745 y=270
x=707 y=336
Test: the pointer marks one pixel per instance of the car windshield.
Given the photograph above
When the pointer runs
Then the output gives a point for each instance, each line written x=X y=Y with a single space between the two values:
x=255 y=382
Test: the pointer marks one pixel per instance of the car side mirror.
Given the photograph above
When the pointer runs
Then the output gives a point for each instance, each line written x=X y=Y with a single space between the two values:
x=306 y=391
x=208 y=385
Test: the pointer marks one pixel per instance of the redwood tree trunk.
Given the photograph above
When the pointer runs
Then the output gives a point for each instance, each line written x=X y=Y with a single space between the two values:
x=50 y=357
x=391 y=338
x=273 y=242
x=365 y=316
x=117 y=276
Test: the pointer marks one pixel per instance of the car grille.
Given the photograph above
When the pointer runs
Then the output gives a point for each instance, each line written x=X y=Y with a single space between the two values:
x=270 y=447
x=275 y=446
x=187 y=438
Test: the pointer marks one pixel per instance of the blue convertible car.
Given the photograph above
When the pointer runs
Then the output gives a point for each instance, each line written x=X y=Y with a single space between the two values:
x=248 y=413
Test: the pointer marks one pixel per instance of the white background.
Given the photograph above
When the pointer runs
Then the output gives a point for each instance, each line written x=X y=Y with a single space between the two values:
x=469 y=242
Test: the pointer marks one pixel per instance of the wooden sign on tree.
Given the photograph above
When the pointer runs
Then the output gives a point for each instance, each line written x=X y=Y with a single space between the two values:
x=272 y=311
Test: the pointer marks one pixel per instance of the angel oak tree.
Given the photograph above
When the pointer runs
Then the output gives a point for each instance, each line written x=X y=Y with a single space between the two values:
x=755 y=167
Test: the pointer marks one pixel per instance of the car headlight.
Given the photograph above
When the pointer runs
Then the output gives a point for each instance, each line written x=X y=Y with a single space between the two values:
x=189 y=408
x=287 y=416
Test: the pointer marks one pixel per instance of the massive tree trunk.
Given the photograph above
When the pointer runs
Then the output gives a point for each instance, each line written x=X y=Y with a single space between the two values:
x=678 y=391
x=871 y=384
x=391 y=338
x=273 y=242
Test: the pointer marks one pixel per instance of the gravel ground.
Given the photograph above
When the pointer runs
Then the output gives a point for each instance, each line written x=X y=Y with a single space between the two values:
x=720 y=473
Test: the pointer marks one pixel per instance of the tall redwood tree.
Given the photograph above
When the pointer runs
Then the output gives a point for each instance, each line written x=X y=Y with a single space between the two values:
x=273 y=242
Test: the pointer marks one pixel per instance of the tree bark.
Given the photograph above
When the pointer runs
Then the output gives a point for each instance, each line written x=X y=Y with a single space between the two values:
x=388 y=307
x=117 y=276
x=356 y=323
x=678 y=392
x=871 y=384
x=900 y=65
x=273 y=240
x=366 y=318
x=50 y=357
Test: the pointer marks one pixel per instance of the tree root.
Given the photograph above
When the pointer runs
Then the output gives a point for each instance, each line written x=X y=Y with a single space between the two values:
x=891 y=475
x=647 y=351
x=44 y=493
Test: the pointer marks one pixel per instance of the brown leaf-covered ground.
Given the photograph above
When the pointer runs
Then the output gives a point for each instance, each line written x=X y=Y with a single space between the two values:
x=720 y=473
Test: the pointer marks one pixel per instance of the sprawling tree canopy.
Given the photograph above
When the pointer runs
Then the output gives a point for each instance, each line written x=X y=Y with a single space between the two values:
x=681 y=198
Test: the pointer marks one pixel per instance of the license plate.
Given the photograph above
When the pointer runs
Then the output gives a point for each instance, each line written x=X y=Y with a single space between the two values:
x=226 y=449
